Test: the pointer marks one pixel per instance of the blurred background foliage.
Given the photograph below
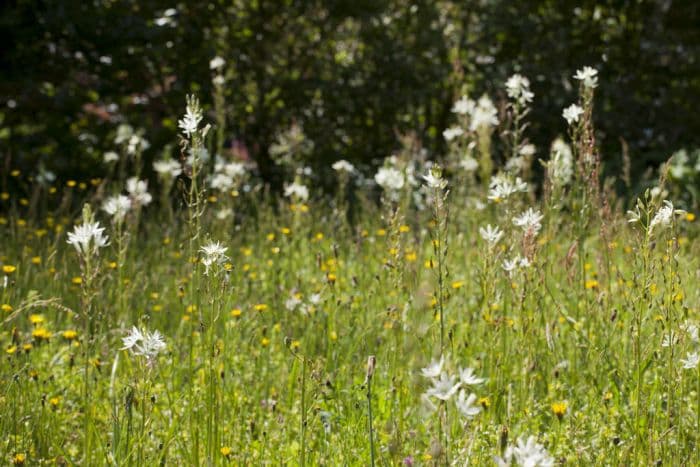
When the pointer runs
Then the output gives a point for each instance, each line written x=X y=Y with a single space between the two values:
x=355 y=74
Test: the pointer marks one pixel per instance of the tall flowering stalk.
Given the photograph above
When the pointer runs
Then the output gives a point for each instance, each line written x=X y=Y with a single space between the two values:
x=87 y=238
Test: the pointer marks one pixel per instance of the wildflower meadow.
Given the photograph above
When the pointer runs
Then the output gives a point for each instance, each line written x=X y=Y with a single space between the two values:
x=493 y=304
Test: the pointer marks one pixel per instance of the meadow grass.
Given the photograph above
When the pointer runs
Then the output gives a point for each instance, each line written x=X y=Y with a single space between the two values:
x=340 y=330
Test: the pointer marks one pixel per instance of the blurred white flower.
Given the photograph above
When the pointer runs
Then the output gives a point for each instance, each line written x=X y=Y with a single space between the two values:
x=484 y=115
x=117 y=207
x=572 y=113
x=518 y=89
x=144 y=344
x=452 y=133
x=110 y=156
x=190 y=122
x=467 y=376
x=491 y=234
x=297 y=190
x=434 y=181
x=221 y=182
x=469 y=164
x=691 y=361
x=214 y=253
x=502 y=187
x=88 y=238
x=389 y=178
x=466 y=405
x=444 y=387
x=464 y=106
x=588 y=75
x=664 y=216
x=167 y=168
x=138 y=190
x=343 y=166
x=528 y=453
x=561 y=163
x=216 y=63
x=434 y=369
x=529 y=220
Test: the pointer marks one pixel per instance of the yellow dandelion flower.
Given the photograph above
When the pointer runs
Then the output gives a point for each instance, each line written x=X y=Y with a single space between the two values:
x=319 y=236
x=286 y=230
x=36 y=319
x=4 y=196
x=559 y=409
x=458 y=284
x=70 y=334
x=71 y=183
x=429 y=264
x=334 y=336
x=264 y=341
x=11 y=349
x=226 y=451
x=6 y=307
x=54 y=401
x=236 y=312
x=331 y=278
x=591 y=284
x=381 y=232
x=212 y=199
x=41 y=333
x=485 y=402
x=411 y=256
x=295 y=344
x=15 y=173
x=27 y=347
x=9 y=269
x=690 y=217
x=77 y=280
x=36 y=260
x=19 y=459
x=404 y=229
x=260 y=307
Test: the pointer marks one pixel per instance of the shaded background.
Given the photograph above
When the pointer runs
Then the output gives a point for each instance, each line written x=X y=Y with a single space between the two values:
x=355 y=73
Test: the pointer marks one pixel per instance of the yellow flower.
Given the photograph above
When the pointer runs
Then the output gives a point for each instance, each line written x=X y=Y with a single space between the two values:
x=286 y=230
x=71 y=183
x=69 y=334
x=54 y=401
x=226 y=451
x=41 y=333
x=690 y=217
x=36 y=260
x=334 y=336
x=404 y=229
x=591 y=284
x=457 y=284
x=381 y=232
x=260 y=307
x=559 y=409
x=6 y=307
x=265 y=342
x=485 y=402
x=236 y=312
x=77 y=280
x=9 y=269
x=10 y=349
x=331 y=278
x=411 y=256
x=36 y=319
x=19 y=458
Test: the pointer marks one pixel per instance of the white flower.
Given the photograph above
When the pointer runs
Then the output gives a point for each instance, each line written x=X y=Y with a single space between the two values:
x=117 y=207
x=144 y=344
x=434 y=369
x=664 y=216
x=501 y=187
x=214 y=253
x=315 y=299
x=484 y=115
x=138 y=190
x=343 y=166
x=167 y=168
x=218 y=80
x=216 y=63
x=510 y=265
x=443 y=388
x=452 y=133
x=572 y=113
x=469 y=164
x=692 y=330
x=691 y=361
x=389 y=178
x=190 y=122
x=529 y=220
x=527 y=150
x=433 y=181
x=670 y=339
x=491 y=234
x=292 y=302
x=464 y=106
x=88 y=238
x=221 y=182
x=526 y=454
x=467 y=377
x=466 y=405
x=137 y=144
x=223 y=214
x=561 y=163
x=296 y=190
x=110 y=156
x=588 y=75
x=518 y=89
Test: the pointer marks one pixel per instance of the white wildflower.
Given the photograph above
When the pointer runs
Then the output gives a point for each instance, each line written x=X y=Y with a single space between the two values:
x=216 y=63
x=464 y=106
x=389 y=178
x=572 y=113
x=529 y=220
x=434 y=181
x=664 y=216
x=297 y=190
x=691 y=361
x=167 y=168
x=343 y=166
x=110 y=156
x=138 y=190
x=144 y=344
x=467 y=377
x=484 y=115
x=452 y=133
x=527 y=453
x=444 y=387
x=491 y=234
x=117 y=207
x=434 y=369
x=190 y=122
x=214 y=253
x=518 y=89
x=469 y=164
x=466 y=405
x=588 y=75
x=88 y=238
